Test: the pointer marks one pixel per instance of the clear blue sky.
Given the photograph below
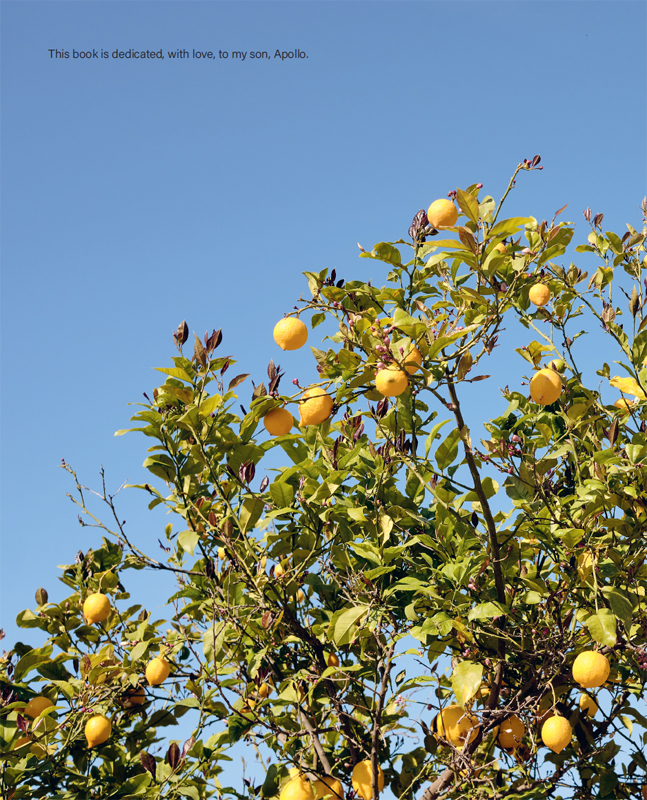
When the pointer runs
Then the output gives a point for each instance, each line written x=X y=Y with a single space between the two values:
x=136 y=194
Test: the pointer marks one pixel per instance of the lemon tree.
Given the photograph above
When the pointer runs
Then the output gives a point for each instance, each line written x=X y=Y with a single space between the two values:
x=382 y=597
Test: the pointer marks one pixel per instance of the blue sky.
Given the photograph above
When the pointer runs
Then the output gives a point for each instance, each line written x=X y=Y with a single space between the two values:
x=136 y=194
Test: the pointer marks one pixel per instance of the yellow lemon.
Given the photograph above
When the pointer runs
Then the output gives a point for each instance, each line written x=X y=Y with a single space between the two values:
x=363 y=779
x=36 y=706
x=315 y=406
x=624 y=405
x=328 y=787
x=157 y=671
x=96 y=608
x=539 y=294
x=412 y=360
x=588 y=706
x=501 y=248
x=556 y=733
x=545 y=387
x=297 y=788
x=278 y=421
x=290 y=333
x=442 y=214
x=134 y=697
x=333 y=660
x=454 y=723
x=511 y=733
x=391 y=381
x=591 y=669
x=97 y=730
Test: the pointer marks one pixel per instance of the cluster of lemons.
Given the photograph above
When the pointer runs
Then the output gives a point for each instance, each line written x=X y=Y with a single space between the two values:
x=456 y=726
x=98 y=728
x=300 y=788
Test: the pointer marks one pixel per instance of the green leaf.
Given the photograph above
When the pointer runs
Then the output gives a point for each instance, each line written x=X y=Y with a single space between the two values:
x=188 y=541
x=508 y=226
x=447 y=450
x=346 y=624
x=466 y=679
x=213 y=640
x=282 y=494
x=620 y=604
x=486 y=611
x=386 y=252
x=602 y=627
x=139 y=651
x=432 y=436
x=469 y=205
x=161 y=466
x=32 y=660
x=250 y=513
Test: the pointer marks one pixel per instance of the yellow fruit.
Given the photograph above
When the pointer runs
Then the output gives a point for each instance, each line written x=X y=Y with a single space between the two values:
x=300 y=596
x=363 y=779
x=248 y=706
x=454 y=723
x=442 y=214
x=97 y=730
x=315 y=406
x=391 y=381
x=36 y=706
x=591 y=669
x=278 y=421
x=328 y=787
x=96 y=608
x=290 y=333
x=539 y=294
x=134 y=697
x=333 y=660
x=623 y=404
x=556 y=733
x=264 y=690
x=297 y=788
x=501 y=248
x=157 y=671
x=222 y=553
x=588 y=706
x=511 y=733
x=545 y=387
x=413 y=360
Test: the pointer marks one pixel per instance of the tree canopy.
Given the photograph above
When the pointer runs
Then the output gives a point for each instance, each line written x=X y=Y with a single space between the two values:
x=397 y=604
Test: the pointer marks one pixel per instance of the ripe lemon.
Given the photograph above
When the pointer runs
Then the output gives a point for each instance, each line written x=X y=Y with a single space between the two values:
x=37 y=705
x=623 y=404
x=97 y=730
x=588 y=706
x=391 y=381
x=278 y=421
x=511 y=733
x=453 y=724
x=363 y=779
x=157 y=671
x=290 y=333
x=556 y=733
x=328 y=787
x=545 y=387
x=134 y=697
x=96 y=608
x=413 y=360
x=297 y=788
x=315 y=406
x=501 y=248
x=333 y=660
x=442 y=214
x=539 y=294
x=591 y=669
